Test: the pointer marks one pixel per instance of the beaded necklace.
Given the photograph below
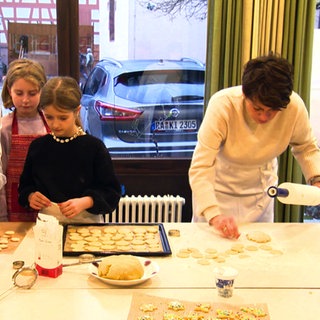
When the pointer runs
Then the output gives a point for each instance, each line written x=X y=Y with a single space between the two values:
x=79 y=132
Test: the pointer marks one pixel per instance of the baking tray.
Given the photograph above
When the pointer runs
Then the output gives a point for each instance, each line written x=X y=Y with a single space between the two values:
x=71 y=231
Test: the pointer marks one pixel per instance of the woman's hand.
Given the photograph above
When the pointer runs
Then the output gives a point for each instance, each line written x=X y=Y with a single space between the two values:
x=316 y=184
x=73 y=207
x=226 y=226
x=38 y=201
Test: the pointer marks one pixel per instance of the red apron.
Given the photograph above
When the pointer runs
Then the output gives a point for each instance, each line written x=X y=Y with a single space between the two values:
x=19 y=149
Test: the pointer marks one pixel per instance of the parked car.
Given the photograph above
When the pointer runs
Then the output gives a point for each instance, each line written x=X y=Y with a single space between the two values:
x=145 y=108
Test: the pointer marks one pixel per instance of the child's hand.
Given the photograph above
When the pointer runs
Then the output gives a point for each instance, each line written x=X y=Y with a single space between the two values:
x=73 y=207
x=38 y=201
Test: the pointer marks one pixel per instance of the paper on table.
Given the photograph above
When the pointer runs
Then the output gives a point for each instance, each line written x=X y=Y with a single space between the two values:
x=162 y=306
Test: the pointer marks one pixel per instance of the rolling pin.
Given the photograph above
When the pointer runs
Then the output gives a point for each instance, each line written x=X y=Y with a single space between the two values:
x=297 y=194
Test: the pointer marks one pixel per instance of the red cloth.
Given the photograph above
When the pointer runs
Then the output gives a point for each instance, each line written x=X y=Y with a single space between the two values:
x=19 y=149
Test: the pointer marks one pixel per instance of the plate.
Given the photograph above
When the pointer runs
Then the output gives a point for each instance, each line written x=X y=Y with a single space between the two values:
x=150 y=270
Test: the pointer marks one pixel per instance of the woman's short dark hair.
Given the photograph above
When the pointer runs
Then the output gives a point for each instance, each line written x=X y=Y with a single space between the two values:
x=268 y=79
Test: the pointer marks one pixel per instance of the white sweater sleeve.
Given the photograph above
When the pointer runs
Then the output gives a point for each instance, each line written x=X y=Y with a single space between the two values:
x=202 y=170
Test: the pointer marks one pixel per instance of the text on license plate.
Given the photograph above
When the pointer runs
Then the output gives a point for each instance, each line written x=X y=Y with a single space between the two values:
x=175 y=125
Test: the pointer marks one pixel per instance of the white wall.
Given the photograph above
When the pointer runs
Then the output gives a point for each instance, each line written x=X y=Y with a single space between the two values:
x=119 y=48
x=158 y=36
x=315 y=86
x=141 y=33
x=315 y=75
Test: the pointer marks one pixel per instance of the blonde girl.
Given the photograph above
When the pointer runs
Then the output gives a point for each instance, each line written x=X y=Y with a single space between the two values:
x=21 y=95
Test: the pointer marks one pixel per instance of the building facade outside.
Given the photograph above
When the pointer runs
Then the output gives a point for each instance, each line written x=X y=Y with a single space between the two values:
x=122 y=29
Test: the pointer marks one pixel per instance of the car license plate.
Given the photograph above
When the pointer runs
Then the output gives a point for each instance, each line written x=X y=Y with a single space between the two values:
x=175 y=125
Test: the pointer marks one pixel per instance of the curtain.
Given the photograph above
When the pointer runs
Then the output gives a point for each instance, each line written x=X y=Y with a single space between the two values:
x=297 y=48
x=240 y=30
x=224 y=45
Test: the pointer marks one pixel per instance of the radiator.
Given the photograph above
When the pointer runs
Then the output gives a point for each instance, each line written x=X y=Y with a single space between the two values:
x=147 y=209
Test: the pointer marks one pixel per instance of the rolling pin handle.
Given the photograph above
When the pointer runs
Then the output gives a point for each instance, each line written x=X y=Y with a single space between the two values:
x=277 y=192
x=283 y=192
x=272 y=192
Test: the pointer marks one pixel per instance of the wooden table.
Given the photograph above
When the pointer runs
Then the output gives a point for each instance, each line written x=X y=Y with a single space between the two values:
x=289 y=283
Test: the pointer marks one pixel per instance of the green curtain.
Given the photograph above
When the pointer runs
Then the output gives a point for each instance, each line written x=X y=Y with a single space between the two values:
x=297 y=48
x=225 y=43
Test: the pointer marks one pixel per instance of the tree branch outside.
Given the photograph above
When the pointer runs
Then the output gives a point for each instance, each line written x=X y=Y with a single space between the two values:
x=196 y=9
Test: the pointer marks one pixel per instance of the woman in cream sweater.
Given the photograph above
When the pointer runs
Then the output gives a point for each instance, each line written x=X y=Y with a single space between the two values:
x=244 y=130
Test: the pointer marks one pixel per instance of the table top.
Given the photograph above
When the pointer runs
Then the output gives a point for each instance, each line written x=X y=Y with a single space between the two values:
x=289 y=282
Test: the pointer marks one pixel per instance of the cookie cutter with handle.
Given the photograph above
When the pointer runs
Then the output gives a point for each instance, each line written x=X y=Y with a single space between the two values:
x=83 y=258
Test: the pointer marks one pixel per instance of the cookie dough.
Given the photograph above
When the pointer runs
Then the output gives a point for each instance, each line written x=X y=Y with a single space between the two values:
x=121 y=267
x=258 y=236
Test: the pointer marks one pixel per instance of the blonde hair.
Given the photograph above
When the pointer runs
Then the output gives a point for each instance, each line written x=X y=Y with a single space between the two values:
x=29 y=70
x=63 y=93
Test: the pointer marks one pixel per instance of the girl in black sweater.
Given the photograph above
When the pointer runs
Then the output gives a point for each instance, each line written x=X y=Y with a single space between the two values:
x=68 y=173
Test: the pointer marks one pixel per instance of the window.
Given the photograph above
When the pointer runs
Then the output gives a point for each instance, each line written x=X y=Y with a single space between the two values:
x=315 y=78
x=155 y=110
x=96 y=80
x=160 y=118
x=151 y=106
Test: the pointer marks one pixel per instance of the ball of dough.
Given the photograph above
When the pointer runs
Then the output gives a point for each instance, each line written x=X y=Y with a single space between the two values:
x=121 y=267
x=258 y=236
